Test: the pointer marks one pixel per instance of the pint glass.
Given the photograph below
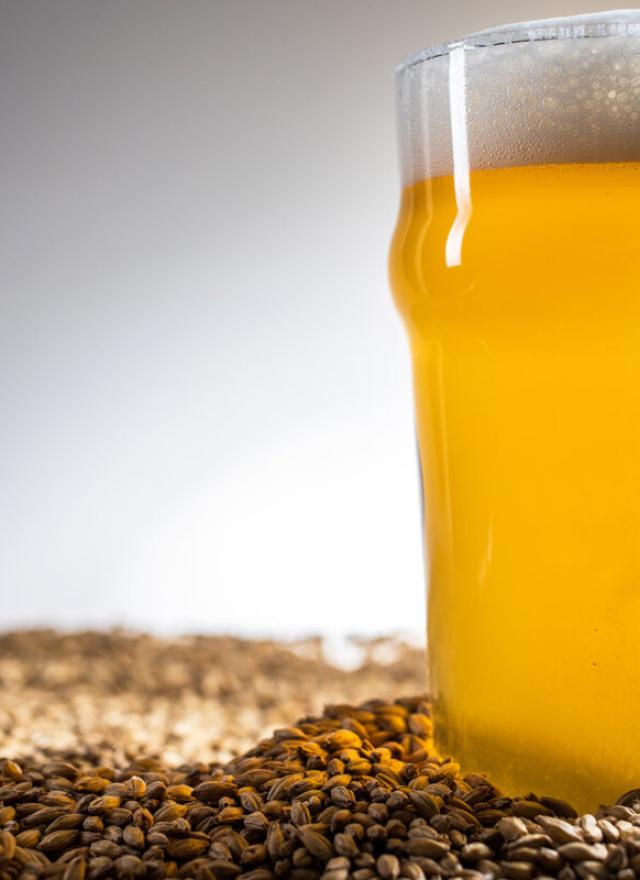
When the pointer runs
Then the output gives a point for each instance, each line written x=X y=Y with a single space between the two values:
x=516 y=267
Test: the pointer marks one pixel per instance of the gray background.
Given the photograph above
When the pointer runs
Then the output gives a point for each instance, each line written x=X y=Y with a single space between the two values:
x=204 y=389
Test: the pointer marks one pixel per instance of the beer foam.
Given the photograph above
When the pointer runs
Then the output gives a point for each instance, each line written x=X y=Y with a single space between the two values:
x=559 y=90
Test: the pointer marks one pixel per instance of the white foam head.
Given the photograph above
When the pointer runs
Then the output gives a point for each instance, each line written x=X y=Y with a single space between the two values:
x=559 y=90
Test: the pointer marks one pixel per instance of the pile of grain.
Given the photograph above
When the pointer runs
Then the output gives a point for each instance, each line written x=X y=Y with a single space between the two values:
x=354 y=793
x=111 y=697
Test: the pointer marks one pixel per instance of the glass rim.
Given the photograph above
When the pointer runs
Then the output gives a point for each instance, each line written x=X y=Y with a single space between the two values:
x=611 y=23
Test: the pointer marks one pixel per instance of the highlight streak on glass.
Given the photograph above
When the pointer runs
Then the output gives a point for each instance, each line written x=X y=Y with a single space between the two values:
x=460 y=151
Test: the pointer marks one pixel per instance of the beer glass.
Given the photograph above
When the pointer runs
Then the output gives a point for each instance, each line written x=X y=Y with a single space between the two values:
x=515 y=264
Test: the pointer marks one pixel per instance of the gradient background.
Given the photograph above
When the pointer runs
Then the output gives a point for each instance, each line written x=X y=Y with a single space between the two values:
x=205 y=403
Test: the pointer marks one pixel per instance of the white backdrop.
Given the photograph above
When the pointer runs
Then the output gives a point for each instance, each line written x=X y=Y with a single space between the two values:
x=206 y=419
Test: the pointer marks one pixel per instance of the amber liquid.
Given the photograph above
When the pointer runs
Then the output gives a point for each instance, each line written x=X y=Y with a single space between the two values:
x=526 y=361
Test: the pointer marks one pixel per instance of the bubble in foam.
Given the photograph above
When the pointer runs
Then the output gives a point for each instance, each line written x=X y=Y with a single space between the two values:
x=563 y=90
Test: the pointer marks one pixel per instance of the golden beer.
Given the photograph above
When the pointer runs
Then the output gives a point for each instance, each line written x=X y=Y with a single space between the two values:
x=526 y=365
